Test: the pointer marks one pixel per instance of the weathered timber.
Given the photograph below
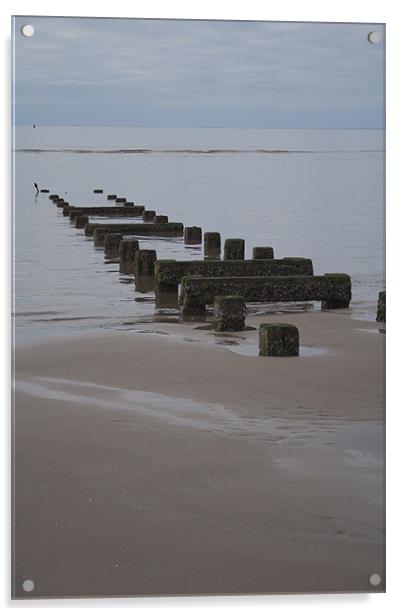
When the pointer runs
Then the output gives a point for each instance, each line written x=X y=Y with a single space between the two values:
x=169 y=272
x=111 y=243
x=192 y=235
x=99 y=230
x=233 y=249
x=148 y=215
x=278 y=340
x=127 y=250
x=144 y=261
x=229 y=313
x=333 y=290
x=110 y=212
x=263 y=252
x=381 y=307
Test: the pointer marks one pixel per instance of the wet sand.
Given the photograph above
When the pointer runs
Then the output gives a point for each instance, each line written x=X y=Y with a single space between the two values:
x=158 y=461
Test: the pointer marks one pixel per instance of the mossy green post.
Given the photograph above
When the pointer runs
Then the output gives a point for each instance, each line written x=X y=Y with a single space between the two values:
x=127 y=250
x=81 y=221
x=234 y=249
x=112 y=243
x=148 y=215
x=192 y=235
x=336 y=303
x=144 y=262
x=381 y=307
x=212 y=242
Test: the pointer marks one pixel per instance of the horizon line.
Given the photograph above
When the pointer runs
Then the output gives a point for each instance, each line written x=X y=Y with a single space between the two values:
x=16 y=125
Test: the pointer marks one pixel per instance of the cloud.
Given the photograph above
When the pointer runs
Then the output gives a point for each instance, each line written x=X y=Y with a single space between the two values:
x=141 y=71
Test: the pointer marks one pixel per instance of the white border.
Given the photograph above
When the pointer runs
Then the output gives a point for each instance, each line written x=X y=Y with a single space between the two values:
x=386 y=11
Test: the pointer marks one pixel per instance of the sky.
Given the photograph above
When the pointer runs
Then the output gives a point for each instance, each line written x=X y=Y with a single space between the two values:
x=179 y=73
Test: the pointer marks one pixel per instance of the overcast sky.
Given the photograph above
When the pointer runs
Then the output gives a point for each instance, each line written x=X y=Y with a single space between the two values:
x=131 y=72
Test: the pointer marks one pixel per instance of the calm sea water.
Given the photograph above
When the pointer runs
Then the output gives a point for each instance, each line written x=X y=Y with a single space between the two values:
x=310 y=193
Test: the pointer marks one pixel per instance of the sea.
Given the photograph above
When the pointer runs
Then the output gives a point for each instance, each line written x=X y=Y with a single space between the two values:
x=306 y=193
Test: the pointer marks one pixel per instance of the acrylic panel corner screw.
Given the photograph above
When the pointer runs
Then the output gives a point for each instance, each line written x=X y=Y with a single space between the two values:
x=374 y=37
x=27 y=30
x=375 y=579
x=28 y=585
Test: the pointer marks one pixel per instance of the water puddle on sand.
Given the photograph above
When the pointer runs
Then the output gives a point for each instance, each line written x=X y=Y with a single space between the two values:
x=252 y=350
x=363 y=314
x=376 y=330
x=360 y=441
x=183 y=412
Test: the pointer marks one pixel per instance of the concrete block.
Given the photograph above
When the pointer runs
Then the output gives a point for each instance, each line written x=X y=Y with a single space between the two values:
x=278 y=340
x=81 y=221
x=192 y=235
x=127 y=250
x=333 y=290
x=381 y=307
x=229 y=313
x=160 y=219
x=148 y=215
x=263 y=252
x=144 y=262
x=111 y=244
x=212 y=241
x=233 y=249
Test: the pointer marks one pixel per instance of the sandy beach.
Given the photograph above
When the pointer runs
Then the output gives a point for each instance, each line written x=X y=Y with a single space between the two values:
x=166 y=460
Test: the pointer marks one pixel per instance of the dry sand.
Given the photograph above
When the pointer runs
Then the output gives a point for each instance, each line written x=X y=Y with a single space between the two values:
x=164 y=463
